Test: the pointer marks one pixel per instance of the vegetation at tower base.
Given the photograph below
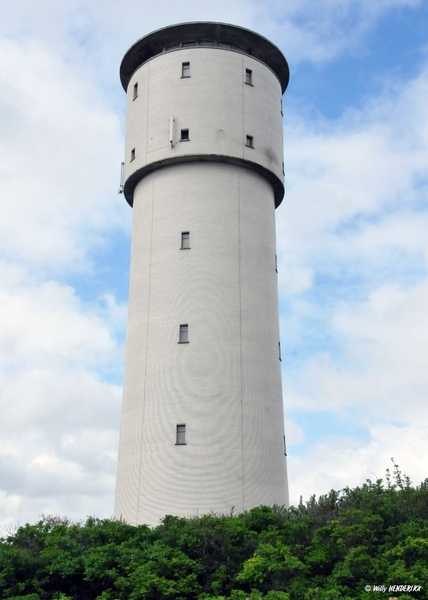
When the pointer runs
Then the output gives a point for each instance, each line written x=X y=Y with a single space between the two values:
x=329 y=548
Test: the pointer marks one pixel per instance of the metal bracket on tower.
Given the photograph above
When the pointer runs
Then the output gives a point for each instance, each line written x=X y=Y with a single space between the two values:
x=122 y=170
x=171 y=132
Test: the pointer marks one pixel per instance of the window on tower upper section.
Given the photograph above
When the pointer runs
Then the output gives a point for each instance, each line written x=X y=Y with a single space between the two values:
x=184 y=135
x=133 y=154
x=184 y=334
x=135 y=92
x=248 y=77
x=249 y=141
x=185 y=240
x=185 y=69
x=180 y=435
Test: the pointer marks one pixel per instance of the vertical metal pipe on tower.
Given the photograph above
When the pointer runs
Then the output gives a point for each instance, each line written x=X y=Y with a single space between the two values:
x=202 y=419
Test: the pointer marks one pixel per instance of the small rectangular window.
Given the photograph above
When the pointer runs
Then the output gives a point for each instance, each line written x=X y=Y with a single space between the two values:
x=249 y=141
x=185 y=240
x=184 y=334
x=135 y=94
x=279 y=351
x=185 y=69
x=184 y=136
x=285 y=447
x=180 y=435
x=248 y=77
x=133 y=154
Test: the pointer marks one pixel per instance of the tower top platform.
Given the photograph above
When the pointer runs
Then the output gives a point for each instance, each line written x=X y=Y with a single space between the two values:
x=204 y=34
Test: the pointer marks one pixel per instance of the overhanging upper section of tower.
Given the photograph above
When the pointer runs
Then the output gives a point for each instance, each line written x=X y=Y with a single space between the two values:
x=204 y=93
x=187 y=35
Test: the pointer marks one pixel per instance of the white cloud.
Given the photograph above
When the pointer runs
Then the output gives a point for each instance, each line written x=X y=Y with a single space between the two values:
x=96 y=34
x=60 y=355
x=353 y=229
x=47 y=324
x=48 y=483
x=357 y=187
x=320 y=31
x=377 y=382
x=60 y=413
x=61 y=466
x=381 y=366
x=59 y=160
x=294 y=433
x=306 y=30
x=331 y=468
x=58 y=447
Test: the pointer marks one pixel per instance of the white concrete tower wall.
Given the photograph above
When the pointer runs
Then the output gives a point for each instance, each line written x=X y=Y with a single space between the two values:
x=219 y=188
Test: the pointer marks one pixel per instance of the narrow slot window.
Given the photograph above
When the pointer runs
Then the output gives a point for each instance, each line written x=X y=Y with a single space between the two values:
x=248 y=77
x=184 y=135
x=185 y=240
x=249 y=141
x=276 y=263
x=135 y=93
x=285 y=447
x=180 y=435
x=184 y=334
x=185 y=69
x=133 y=154
x=279 y=351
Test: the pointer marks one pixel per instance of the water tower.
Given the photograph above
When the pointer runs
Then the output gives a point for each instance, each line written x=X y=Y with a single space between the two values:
x=202 y=425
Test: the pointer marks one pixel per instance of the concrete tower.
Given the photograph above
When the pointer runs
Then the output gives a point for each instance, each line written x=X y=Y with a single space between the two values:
x=202 y=417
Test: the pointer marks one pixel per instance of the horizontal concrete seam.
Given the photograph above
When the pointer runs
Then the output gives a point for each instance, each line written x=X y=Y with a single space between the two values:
x=132 y=181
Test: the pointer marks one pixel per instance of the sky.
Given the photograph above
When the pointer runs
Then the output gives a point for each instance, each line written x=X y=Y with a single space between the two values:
x=352 y=237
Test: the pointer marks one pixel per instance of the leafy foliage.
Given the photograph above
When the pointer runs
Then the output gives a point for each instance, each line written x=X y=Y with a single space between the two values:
x=330 y=548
